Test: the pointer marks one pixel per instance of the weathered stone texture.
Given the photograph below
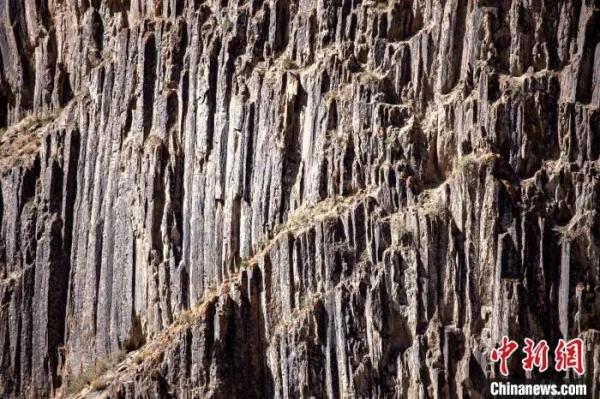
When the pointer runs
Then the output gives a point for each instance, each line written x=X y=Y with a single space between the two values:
x=355 y=199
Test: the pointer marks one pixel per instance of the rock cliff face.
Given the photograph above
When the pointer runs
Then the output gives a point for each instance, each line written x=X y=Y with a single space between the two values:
x=326 y=198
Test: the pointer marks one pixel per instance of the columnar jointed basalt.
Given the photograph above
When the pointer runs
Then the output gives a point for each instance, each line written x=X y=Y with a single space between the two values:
x=294 y=199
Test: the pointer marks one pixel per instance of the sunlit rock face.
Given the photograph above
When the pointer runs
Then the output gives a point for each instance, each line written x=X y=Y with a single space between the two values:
x=293 y=199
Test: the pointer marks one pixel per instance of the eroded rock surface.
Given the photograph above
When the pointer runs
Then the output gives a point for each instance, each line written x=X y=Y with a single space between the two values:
x=294 y=199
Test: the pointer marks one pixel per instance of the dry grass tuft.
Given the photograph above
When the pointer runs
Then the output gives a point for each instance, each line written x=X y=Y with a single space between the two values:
x=99 y=384
x=431 y=202
x=468 y=162
x=93 y=376
x=20 y=142
x=577 y=226
x=306 y=216
x=369 y=77
x=287 y=63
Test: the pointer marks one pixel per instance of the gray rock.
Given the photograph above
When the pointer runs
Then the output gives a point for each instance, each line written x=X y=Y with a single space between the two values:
x=294 y=199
